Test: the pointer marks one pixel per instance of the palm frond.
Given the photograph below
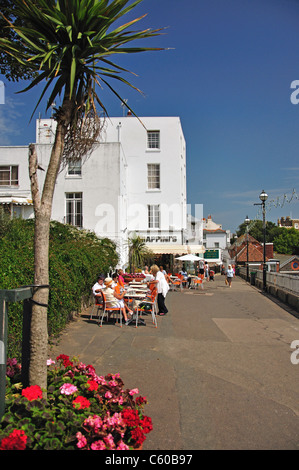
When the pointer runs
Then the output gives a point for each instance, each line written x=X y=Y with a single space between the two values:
x=71 y=42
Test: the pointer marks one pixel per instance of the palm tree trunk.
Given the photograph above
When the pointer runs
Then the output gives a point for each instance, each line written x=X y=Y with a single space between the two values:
x=42 y=209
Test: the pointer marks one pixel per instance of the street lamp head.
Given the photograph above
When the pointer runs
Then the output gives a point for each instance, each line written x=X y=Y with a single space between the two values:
x=263 y=196
x=247 y=220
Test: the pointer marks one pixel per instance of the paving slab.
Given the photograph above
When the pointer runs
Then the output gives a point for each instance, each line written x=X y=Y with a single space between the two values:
x=217 y=371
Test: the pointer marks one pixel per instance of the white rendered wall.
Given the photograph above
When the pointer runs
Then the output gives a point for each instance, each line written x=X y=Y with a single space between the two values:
x=172 y=160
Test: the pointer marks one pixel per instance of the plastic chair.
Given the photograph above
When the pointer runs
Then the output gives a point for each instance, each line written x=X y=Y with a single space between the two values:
x=198 y=282
x=152 y=300
x=176 y=282
x=98 y=305
x=107 y=309
x=183 y=280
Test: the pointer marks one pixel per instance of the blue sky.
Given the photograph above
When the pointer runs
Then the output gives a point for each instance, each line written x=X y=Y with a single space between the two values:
x=228 y=77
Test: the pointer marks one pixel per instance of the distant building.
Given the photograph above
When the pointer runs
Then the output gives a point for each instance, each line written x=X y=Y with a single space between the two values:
x=238 y=252
x=288 y=222
x=215 y=241
x=290 y=265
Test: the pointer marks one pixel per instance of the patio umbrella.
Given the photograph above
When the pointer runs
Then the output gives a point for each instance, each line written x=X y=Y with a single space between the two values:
x=189 y=257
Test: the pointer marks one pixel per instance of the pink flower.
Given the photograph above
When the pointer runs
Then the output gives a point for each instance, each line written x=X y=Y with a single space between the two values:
x=133 y=391
x=50 y=361
x=68 y=389
x=81 y=440
x=108 y=395
x=122 y=446
x=113 y=383
x=109 y=441
x=93 y=422
x=98 y=445
x=102 y=380
x=115 y=420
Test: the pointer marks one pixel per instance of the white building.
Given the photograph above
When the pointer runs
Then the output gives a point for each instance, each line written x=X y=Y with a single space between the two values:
x=215 y=241
x=134 y=182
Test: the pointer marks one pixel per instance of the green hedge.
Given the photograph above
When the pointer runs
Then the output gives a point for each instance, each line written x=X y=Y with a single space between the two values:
x=76 y=258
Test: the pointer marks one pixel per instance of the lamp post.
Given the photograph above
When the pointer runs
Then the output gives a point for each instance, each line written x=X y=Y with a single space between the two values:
x=247 y=266
x=263 y=197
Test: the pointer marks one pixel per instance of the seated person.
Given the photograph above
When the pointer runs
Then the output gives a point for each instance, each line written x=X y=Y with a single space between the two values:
x=184 y=275
x=145 y=271
x=98 y=286
x=121 y=278
x=114 y=299
x=115 y=284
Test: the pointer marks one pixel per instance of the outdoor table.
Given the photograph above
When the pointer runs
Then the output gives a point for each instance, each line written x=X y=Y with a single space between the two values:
x=138 y=289
x=140 y=284
x=136 y=296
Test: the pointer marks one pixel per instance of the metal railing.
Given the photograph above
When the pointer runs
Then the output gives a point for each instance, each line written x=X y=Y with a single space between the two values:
x=25 y=294
x=288 y=282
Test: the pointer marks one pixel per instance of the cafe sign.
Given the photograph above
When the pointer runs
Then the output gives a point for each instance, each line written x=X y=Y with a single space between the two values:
x=211 y=254
x=160 y=239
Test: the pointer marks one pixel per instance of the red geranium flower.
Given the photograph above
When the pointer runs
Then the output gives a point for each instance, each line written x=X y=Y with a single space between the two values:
x=146 y=424
x=138 y=436
x=15 y=441
x=141 y=400
x=65 y=359
x=32 y=393
x=93 y=385
x=81 y=402
x=130 y=417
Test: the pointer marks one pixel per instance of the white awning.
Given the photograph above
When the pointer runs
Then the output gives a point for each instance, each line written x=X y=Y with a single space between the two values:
x=22 y=201
x=173 y=249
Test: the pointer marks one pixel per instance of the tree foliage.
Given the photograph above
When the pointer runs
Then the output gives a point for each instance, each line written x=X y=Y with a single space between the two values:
x=11 y=69
x=76 y=258
x=72 y=47
x=285 y=240
x=138 y=252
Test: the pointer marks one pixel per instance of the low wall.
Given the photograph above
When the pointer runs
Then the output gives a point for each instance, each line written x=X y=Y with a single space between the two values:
x=284 y=287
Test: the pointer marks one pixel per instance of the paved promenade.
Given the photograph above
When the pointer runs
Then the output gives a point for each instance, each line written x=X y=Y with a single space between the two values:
x=217 y=371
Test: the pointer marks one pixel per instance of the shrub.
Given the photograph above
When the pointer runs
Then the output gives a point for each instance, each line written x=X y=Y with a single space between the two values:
x=75 y=259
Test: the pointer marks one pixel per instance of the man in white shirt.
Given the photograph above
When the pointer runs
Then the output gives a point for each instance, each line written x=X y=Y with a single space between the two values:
x=98 y=286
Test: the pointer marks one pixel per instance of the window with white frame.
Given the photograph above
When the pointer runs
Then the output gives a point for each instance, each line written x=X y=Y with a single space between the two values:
x=74 y=168
x=9 y=175
x=153 y=139
x=153 y=216
x=153 y=176
x=74 y=215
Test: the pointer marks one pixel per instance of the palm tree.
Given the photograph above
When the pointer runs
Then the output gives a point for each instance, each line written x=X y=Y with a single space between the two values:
x=71 y=45
x=138 y=251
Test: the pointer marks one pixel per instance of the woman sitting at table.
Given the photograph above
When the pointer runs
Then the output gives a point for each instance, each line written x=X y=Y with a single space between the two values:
x=162 y=287
x=121 y=278
x=116 y=294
